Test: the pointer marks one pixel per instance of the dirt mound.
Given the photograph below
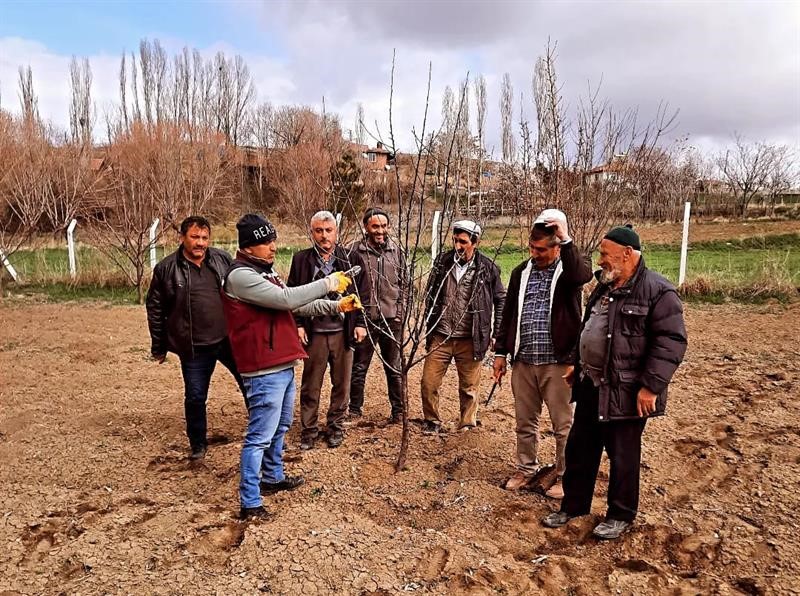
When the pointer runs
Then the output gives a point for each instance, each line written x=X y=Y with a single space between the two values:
x=99 y=496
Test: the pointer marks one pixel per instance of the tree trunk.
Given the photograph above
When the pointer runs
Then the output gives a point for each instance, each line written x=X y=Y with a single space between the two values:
x=404 y=437
x=140 y=283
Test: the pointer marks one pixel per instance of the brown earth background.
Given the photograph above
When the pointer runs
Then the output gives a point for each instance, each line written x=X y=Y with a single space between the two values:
x=98 y=496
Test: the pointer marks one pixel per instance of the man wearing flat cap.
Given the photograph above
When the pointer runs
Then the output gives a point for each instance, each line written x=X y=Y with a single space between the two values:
x=263 y=335
x=463 y=303
x=631 y=342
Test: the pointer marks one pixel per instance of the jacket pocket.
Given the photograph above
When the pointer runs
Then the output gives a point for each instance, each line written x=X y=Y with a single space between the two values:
x=626 y=393
x=632 y=319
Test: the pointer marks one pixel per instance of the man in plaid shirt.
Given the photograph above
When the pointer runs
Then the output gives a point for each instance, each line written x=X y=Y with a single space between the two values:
x=539 y=330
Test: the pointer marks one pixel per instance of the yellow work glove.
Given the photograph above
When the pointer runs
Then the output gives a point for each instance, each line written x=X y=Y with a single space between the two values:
x=338 y=282
x=350 y=303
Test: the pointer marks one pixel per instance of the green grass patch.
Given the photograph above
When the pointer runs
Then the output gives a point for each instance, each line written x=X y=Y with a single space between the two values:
x=64 y=292
x=747 y=269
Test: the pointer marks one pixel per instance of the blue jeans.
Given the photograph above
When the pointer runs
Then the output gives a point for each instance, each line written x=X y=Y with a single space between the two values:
x=270 y=402
x=197 y=371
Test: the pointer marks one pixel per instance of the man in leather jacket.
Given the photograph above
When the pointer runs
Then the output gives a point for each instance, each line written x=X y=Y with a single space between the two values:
x=185 y=316
x=463 y=296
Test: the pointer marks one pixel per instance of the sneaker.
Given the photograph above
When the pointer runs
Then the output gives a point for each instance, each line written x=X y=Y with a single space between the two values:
x=335 y=439
x=557 y=519
x=430 y=427
x=254 y=513
x=611 y=529
x=288 y=483
x=198 y=452
x=556 y=491
x=306 y=444
x=517 y=481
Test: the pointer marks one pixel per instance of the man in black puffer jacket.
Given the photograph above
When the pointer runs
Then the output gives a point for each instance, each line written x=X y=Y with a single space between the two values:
x=632 y=340
x=185 y=316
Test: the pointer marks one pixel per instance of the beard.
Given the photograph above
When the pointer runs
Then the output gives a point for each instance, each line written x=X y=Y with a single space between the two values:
x=609 y=276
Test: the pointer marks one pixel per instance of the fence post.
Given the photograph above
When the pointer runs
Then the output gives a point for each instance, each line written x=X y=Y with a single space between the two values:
x=153 y=229
x=9 y=267
x=684 y=243
x=73 y=271
x=435 y=235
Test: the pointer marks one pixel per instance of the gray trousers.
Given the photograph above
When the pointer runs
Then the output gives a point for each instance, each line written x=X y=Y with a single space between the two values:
x=325 y=349
x=533 y=385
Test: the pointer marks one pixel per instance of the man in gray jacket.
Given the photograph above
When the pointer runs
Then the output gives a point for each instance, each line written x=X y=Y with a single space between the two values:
x=265 y=345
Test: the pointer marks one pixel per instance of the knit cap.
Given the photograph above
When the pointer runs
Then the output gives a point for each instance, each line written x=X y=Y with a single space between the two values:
x=254 y=229
x=625 y=236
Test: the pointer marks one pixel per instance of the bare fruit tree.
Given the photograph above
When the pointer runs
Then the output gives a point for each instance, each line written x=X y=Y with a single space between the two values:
x=594 y=180
x=749 y=168
x=428 y=183
x=25 y=157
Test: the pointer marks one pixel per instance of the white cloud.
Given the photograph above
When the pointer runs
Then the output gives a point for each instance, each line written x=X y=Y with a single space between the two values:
x=727 y=67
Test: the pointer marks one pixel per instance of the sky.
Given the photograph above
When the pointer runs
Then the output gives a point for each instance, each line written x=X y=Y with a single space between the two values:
x=727 y=67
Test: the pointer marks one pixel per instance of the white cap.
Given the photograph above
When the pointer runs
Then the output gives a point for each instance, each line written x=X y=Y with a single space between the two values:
x=550 y=215
x=468 y=226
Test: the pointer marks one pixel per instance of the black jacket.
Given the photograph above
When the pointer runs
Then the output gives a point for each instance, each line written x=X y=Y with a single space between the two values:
x=488 y=296
x=302 y=272
x=565 y=305
x=647 y=344
x=169 y=314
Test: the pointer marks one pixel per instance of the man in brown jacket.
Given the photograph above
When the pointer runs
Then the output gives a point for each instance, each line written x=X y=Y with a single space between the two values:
x=384 y=264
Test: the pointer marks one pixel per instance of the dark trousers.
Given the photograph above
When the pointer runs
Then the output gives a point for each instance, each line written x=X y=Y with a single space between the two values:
x=197 y=371
x=325 y=349
x=390 y=351
x=622 y=440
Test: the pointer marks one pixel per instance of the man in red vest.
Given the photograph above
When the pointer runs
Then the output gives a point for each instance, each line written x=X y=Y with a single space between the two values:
x=266 y=348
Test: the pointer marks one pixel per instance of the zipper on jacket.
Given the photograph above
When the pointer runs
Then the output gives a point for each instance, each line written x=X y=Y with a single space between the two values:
x=271 y=331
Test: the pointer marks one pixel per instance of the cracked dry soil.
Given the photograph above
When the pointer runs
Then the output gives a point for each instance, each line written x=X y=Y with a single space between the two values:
x=98 y=496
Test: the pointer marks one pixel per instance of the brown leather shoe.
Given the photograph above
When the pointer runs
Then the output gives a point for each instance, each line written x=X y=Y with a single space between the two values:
x=517 y=481
x=556 y=491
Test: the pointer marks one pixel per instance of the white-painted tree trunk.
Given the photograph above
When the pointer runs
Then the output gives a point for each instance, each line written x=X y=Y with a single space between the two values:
x=73 y=270
x=153 y=228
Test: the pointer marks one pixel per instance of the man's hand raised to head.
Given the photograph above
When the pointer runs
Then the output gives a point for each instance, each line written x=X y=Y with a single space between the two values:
x=560 y=229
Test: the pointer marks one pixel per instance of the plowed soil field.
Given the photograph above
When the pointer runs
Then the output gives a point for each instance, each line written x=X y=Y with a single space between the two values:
x=97 y=494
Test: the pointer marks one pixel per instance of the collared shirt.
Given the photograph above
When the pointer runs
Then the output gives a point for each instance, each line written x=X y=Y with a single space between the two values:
x=536 y=343
x=459 y=270
x=326 y=324
x=457 y=315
